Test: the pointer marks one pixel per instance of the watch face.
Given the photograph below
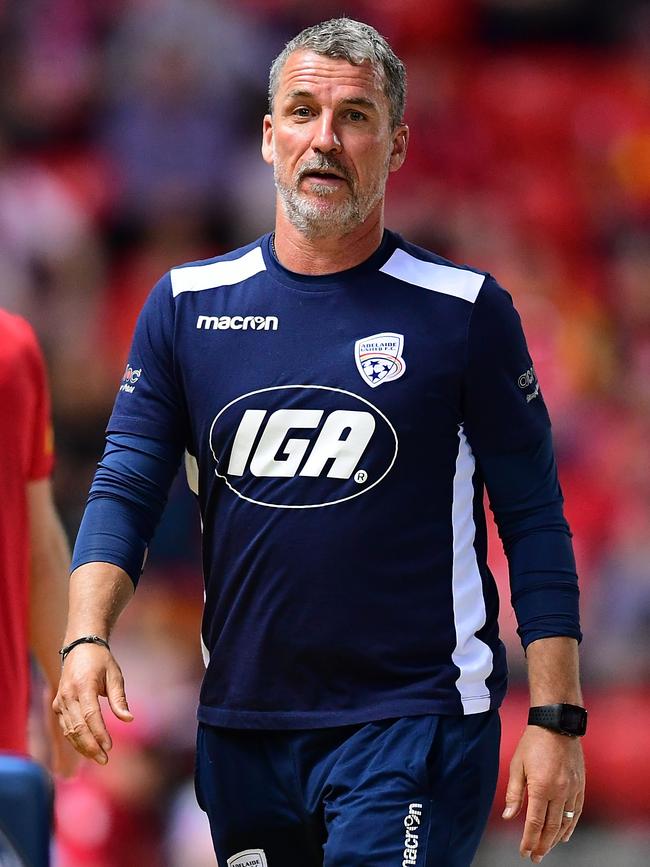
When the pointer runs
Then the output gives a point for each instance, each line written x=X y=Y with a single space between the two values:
x=574 y=719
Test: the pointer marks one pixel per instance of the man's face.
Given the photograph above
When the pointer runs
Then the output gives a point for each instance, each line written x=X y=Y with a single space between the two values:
x=331 y=143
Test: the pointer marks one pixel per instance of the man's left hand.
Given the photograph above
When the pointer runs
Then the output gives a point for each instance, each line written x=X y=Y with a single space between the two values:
x=550 y=768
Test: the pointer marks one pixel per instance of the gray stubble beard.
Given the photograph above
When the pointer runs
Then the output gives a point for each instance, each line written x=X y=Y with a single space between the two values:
x=314 y=221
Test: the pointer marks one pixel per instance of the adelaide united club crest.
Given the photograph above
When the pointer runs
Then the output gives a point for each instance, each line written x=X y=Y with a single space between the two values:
x=379 y=358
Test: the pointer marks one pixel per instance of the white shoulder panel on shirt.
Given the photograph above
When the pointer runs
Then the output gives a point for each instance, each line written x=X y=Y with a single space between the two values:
x=437 y=278
x=195 y=278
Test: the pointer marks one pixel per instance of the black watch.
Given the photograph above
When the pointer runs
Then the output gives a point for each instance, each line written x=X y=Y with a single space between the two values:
x=567 y=719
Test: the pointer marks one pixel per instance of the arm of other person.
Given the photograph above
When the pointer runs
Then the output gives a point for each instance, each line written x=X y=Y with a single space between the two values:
x=49 y=564
x=509 y=430
x=49 y=554
x=146 y=439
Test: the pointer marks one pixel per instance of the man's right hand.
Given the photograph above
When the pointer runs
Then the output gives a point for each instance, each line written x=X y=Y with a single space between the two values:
x=89 y=671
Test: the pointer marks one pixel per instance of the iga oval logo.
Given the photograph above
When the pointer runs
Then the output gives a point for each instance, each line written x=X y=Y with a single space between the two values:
x=302 y=446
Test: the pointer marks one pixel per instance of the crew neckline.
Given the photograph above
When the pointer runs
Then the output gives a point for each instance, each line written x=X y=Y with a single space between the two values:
x=327 y=282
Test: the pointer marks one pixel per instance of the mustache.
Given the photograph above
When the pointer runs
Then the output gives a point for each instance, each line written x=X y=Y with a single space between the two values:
x=324 y=163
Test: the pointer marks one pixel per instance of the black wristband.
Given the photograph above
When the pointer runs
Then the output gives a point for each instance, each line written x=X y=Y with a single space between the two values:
x=566 y=719
x=85 y=639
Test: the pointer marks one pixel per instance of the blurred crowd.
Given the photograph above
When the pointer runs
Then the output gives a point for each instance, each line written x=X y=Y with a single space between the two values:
x=129 y=142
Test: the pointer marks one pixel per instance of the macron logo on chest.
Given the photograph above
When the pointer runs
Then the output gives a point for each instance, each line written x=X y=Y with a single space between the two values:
x=237 y=323
x=218 y=275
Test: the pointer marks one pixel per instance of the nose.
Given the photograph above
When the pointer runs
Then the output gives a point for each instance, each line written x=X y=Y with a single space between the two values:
x=325 y=138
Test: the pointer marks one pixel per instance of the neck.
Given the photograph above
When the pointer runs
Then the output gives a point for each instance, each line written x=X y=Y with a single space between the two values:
x=329 y=254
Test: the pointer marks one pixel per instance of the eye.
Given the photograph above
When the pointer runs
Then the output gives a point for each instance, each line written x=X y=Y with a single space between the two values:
x=302 y=111
x=355 y=115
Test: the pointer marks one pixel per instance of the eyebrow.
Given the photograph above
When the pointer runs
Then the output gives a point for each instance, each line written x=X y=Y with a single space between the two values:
x=362 y=101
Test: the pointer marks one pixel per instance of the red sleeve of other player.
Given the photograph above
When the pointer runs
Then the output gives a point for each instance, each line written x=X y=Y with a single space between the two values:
x=41 y=453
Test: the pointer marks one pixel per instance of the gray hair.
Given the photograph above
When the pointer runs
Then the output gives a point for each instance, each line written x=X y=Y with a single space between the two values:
x=355 y=42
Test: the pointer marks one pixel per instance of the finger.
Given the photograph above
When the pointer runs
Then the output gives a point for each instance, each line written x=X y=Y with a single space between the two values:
x=78 y=733
x=63 y=717
x=550 y=831
x=59 y=712
x=567 y=820
x=514 y=792
x=92 y=715
x=534 y=824
x=577 y=810
x=116 y=694
x=64 y=757
x=81 y=738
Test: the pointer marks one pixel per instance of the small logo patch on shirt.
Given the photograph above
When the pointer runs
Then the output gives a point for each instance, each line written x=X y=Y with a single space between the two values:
x=130 y=378
x=528 y=380
x=248 y=858
x=379 y=358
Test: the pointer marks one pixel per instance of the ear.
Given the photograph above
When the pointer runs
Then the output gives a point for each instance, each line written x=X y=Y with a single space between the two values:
x=267 y=139
x=400 y=144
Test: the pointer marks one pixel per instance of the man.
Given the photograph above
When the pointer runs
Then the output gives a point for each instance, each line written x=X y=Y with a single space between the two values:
x=342 y=396
x=34 y=554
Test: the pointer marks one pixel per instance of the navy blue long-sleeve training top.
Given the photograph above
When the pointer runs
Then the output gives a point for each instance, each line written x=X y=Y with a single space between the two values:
x=339 y=431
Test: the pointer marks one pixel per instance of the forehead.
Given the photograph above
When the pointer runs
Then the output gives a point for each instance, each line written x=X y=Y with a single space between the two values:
x=320 y=75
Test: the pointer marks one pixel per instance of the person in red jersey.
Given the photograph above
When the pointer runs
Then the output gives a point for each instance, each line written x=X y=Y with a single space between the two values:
x=34 y=554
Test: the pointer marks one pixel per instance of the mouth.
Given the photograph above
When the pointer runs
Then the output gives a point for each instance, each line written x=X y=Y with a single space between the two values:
x=324 y=177
x=327 y=173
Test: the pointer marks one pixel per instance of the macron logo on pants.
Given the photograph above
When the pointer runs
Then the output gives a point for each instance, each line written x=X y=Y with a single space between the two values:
x=412 y=822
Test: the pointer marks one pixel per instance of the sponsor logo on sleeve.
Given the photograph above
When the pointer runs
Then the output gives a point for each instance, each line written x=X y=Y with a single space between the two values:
x=130 y=378
x=248 y=858
x=528 y=379
x=379 y=358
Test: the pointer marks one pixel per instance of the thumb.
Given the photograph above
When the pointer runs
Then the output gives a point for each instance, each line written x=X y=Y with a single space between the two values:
x=116 y=695
x=514 y=792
